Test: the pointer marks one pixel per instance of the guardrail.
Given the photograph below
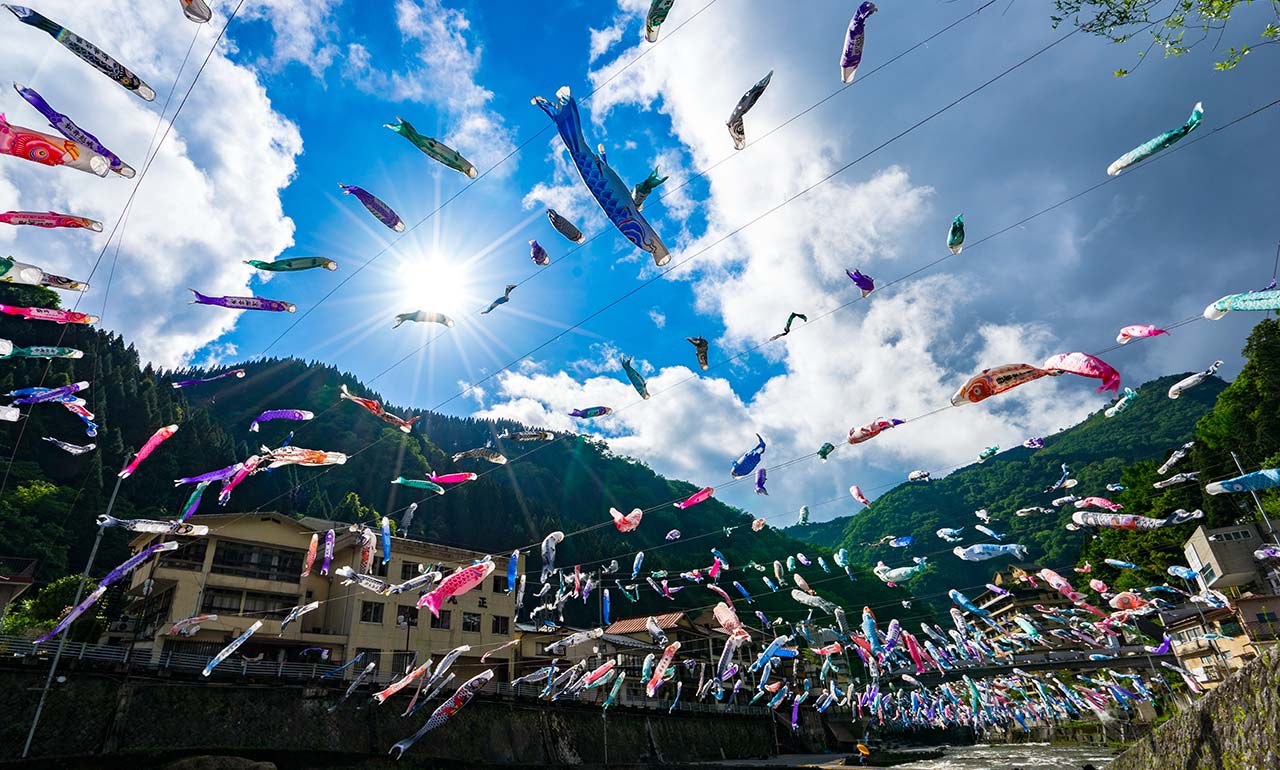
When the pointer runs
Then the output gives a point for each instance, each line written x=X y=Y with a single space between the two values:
x=13 y=648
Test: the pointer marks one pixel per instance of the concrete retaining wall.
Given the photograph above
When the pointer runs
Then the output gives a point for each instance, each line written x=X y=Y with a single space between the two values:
x=94 y=714
x=1235 y=727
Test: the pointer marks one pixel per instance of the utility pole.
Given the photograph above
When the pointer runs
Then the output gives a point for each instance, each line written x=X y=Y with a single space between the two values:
x=1256 y=501
x=62 y=640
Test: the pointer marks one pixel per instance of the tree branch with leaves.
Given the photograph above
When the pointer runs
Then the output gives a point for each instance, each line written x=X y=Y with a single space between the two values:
x=1175 y=26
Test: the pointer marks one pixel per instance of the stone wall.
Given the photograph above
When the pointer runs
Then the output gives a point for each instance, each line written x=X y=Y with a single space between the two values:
x=1235 y=727
x=94 y=714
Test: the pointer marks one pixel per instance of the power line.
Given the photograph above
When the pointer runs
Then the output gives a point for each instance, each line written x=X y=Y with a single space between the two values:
x=662 y=194
x=122 y=218
x=400 y=237
x=1013 y=226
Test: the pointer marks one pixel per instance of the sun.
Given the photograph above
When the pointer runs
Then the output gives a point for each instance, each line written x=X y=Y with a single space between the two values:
x=434 y=284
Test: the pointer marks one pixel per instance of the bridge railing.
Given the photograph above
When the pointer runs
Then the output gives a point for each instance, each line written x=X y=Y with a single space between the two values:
x=15 y=648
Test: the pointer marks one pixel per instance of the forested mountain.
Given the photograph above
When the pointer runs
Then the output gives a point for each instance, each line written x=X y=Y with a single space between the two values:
x=50 y=498
x=1126 y=449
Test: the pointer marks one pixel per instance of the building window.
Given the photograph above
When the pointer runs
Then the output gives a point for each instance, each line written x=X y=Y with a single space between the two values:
x=189 y=556
x=256 y=603
x=254 y=561
x=370 y=656
x=401 y=661
x=499 y=584
x=407 y=612
x=220 y=601
x=1239 y=534
x=1266 y=617
x=408 y=570
x=441 y=620
x=371 y=612
x=378 y=568
x=1230 y=628
x=1208 y=575
x=471 y=622
x=501 y=625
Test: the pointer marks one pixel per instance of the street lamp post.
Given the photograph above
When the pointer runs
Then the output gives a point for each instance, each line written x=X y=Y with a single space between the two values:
x=406 y=620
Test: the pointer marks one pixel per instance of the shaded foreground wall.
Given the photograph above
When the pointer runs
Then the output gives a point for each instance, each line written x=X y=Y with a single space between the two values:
x=96 y=714
x=1235 y=727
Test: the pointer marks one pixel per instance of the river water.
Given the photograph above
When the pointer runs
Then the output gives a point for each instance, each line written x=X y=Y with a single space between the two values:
x=1023 y=756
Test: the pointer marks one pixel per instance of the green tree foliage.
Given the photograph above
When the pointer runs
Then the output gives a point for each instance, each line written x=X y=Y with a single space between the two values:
x=1245 y=419
x=1175 y=26
x=1124 y=449
x=52 y=498
x=42 y=612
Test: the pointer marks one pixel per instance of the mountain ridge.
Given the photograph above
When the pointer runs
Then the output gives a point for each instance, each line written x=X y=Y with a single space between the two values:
x=52 y=498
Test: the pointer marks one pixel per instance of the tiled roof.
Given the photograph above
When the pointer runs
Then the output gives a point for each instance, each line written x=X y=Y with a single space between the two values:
x=625 y=641
x=635 y=625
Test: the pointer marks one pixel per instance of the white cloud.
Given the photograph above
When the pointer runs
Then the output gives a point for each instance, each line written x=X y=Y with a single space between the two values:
x=302 y=33
x=900 y=353
x=442 y=70
x=658 y=317
x=566 y=193
x=603 y=39
x=210 y=199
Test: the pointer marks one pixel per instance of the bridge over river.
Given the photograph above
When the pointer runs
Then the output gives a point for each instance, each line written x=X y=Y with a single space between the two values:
x=1133 y=659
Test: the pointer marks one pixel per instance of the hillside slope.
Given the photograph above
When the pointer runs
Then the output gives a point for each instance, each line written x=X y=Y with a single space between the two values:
x=1098 y=451
x=51 y=498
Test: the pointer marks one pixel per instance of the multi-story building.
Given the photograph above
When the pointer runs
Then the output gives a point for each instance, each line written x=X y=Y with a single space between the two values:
x=249 y=568
x=1213 y=642
x=1223 y=557
x=1022 y=596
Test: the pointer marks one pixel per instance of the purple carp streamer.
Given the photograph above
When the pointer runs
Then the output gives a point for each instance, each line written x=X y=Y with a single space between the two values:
x=384 y=213
x=68 y=128
x=300 y=415
x=111 y=578
x=222 y=474
x=851 y=57
x=244 y=303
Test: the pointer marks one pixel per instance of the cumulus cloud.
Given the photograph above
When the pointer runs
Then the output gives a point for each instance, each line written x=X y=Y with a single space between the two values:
x=900 y=353
x=603 y=39
x=302 y=33
x=229 y=154
x=658 y=317
x=565 y=193
x=442 y=70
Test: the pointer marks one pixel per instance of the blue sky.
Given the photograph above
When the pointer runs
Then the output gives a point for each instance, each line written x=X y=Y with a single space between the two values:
x=295 y=103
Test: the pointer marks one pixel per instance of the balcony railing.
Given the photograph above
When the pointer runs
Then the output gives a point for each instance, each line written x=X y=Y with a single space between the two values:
x=1262 y=631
